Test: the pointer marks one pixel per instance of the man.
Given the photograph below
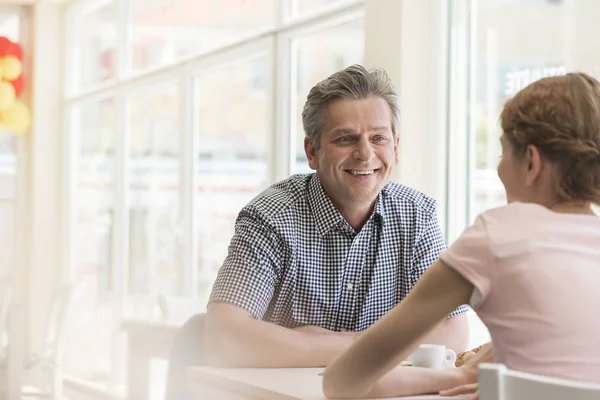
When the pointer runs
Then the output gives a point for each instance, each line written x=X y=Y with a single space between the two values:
x=317 y=258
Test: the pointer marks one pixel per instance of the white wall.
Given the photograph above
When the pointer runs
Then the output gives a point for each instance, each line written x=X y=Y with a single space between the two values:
x=408 y=39
x=38 y=258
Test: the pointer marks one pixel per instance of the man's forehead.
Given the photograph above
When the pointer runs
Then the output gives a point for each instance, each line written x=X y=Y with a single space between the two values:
x=349 y=130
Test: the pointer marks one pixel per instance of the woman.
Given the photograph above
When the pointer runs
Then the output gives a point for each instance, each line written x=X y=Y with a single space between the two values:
x=529 y=269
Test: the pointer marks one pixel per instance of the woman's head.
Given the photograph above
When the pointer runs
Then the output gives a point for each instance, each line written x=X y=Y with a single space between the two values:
x=551 y=142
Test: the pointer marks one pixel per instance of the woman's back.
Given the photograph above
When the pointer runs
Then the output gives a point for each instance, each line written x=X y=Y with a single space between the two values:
x=537 y=274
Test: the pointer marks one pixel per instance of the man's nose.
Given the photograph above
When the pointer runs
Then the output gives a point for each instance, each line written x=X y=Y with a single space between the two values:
x=363 y=150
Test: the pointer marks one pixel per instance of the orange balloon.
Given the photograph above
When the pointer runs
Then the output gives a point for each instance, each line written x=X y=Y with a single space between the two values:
x=7 y=95
x=16 y=118
x=10 y=67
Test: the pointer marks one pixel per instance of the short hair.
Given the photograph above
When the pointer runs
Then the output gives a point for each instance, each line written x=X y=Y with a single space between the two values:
x=560 y=115
x=354 y=82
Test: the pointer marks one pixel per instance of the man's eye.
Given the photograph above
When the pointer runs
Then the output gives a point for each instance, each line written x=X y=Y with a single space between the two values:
x=380 y=138
x=344 y=139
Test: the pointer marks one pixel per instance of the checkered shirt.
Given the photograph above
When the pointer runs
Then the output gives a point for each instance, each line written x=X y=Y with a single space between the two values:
x=294 y=260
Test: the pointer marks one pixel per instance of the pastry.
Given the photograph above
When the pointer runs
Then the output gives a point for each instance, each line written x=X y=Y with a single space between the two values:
x=465 y=356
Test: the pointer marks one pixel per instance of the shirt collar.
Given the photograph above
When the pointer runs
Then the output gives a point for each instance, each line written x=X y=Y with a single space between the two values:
x=325 y=214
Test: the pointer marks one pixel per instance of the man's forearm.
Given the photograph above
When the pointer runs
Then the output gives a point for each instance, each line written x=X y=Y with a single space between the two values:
x=255 y=343
x=452 y=333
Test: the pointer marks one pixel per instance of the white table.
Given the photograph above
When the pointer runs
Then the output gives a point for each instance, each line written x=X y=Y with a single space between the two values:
x=146 y=339
x=264 y=384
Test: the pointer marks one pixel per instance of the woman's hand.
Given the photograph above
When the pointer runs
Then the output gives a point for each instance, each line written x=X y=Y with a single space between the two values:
x=471 y=369
x=463 y=389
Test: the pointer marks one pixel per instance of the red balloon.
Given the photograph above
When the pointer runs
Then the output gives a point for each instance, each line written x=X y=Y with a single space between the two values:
x=18 y=84
x=5 y=46
x=17 y=51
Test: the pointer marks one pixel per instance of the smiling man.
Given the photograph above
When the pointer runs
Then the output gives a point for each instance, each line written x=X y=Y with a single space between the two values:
x=316 y=259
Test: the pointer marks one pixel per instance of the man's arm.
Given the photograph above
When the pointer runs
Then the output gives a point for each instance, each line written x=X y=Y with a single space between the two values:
x=235 y=334
x=234 y=338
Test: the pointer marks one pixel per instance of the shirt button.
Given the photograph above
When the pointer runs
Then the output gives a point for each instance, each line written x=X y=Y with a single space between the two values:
x=350 y=286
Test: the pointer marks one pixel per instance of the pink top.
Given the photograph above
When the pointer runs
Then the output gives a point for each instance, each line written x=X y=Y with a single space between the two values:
x=537 y=287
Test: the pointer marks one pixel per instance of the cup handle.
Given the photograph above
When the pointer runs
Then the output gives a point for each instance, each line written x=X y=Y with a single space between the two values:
x=450 y=358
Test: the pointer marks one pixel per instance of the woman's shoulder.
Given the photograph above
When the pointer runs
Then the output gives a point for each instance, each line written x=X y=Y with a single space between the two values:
x=514 y=222
x=519 y=211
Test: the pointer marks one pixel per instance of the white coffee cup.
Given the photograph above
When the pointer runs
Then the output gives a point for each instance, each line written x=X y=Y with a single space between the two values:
x=433 y=356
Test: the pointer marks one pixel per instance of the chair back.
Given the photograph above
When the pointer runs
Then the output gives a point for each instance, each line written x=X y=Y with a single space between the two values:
x=187 y=350
x=496 y=382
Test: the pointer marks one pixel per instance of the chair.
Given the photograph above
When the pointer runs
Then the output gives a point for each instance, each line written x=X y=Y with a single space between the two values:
x=496 y=382
x=187 y=350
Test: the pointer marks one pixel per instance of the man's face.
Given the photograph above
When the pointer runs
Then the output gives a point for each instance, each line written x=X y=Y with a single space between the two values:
x=357 y=152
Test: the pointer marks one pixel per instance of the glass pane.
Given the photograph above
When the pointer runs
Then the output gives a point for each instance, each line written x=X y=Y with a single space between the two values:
x=235 y=134
x=94 y=48
x=89 y=329
x=546 y=38
x=319 y=55
x=8 y=174
x=9 y=27
x=164 y=31
x=155 y=224
x=300 y=8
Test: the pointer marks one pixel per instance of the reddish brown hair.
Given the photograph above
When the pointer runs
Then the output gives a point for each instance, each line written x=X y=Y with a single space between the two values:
x=560 y=116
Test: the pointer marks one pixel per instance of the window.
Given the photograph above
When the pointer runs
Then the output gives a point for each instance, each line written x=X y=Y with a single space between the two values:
x=155 y=197
x=166 y=31
x=232 y=155
x=9 y=27
x=8 y=175
x=544 y=39
x=172 y=108
x=94 y=35
x=92 y=127
x=300 y=8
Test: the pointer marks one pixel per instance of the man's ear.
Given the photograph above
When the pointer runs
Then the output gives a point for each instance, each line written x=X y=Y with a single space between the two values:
x=534 y=161
x=311 y=154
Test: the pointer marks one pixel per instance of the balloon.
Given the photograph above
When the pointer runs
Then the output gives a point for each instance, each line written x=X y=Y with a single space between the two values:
x=7 y=95
x=16 y=118
x=17 y=51
x=18 y=85
x=10 y=67
x=5 y=46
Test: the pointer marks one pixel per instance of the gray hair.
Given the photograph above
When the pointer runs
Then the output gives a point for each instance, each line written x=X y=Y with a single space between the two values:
x=354 y=82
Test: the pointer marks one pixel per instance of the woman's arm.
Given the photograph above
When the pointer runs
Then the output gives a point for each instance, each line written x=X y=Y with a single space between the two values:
x=357 y=372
